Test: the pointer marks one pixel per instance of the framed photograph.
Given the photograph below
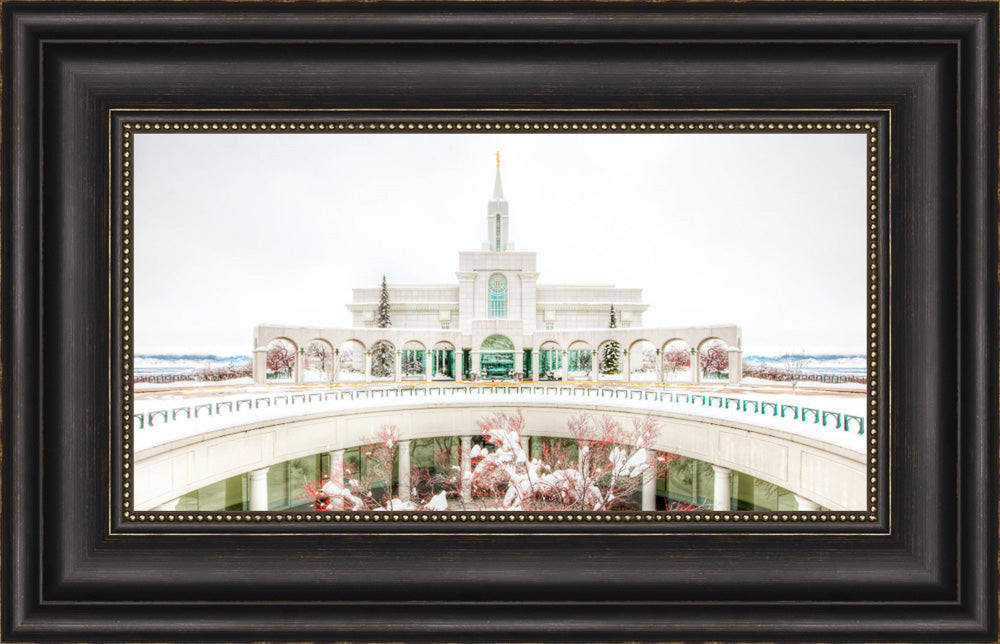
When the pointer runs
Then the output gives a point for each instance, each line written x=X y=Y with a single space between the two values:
x=584 y=322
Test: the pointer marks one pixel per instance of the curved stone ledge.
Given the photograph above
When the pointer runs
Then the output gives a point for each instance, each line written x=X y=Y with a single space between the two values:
x=830 y=475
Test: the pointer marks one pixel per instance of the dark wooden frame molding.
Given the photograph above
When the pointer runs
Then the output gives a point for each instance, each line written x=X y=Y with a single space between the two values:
x=925 y=571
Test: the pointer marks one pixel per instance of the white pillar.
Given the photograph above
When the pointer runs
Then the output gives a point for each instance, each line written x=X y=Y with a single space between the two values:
x=735 y=366
x=404 y=470
x=300 y=358
x=397 y=370
x=565 y=365
x=593 y=365
x=476 y=367
x=695 y=367
x=659 y=366
x=649 y=489
x=526 y=446
x=170 y=506
x=723 y=488
x=337 y=473
x=534 y=364
x=466 y=468
x=428 y=362
x=368 y=366
x=806 y=504
x=519 y=361
x=260 y=366
x=258 y=489
x=627 y=364
x=335 y=371
x=331 y=362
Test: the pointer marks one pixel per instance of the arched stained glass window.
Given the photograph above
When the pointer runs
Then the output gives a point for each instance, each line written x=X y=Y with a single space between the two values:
x=497 y=296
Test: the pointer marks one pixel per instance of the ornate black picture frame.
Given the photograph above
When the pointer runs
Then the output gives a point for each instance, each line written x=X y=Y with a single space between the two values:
x=76 y=568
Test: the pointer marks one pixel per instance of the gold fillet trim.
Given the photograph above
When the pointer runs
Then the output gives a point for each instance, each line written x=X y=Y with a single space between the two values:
x=867 y=122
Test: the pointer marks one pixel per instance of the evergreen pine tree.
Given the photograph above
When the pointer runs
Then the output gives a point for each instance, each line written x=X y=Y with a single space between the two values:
x=383 y=356
x=611 y=355
x=383 y=320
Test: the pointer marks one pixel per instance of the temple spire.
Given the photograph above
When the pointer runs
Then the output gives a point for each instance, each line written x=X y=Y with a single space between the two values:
x=497 y=186
x=496 y=218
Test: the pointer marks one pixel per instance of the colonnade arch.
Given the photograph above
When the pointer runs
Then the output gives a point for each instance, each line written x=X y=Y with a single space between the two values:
x=318 y=361
x=550 y=353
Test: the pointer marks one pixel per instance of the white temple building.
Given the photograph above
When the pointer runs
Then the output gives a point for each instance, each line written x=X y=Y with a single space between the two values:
x=497 y=321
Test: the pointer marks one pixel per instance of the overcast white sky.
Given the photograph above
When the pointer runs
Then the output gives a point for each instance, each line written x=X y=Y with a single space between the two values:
x=762 y=230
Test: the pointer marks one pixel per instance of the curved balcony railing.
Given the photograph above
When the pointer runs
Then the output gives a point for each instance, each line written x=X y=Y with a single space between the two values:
x=814 y=415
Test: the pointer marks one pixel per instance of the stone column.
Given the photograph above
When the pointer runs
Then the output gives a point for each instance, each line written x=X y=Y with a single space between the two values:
x=428 y=365
x=170 y=506
x=805 y=504
x=258 y=489
x=335 y=373
x=300 y=359
x=404 y=471
x=534 y=364
x=723 y=488
x=337 y=473
x=565 y=365
x=627 y=365
x=367 y=375
x=593 y=365
x=466 y=468
x=476 y=367
x=519 y=360
x=659 y=366
x=649 y=490
x=526 y=446
x=397 y=371
x=695 y=367
x=260 y=366
x=735 y=366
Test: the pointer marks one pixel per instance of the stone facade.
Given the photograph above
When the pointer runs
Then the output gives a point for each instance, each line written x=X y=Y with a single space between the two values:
x=499 y=321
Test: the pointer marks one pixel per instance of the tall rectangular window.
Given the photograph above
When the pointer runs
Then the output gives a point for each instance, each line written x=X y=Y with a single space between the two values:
x=496 y=304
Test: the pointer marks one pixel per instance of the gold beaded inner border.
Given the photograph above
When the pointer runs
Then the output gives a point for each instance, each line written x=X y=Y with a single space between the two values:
x=863 y=123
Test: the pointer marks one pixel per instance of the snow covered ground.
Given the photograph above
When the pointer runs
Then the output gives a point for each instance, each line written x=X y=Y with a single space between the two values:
x=177 y=426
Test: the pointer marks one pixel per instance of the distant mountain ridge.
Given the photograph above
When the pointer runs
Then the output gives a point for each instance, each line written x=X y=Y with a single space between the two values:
x=169 y=364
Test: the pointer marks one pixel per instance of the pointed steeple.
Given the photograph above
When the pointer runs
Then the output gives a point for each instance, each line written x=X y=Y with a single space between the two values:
x=496 y=218
x=497 y=185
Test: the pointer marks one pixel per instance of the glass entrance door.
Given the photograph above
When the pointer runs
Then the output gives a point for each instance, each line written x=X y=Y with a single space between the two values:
x=497 y=365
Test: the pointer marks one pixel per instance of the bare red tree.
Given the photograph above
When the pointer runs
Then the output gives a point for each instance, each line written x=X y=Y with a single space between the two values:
x=319 y=352
x=676 y=358
x=280 y=358
x=611 y=465
x=714 y=357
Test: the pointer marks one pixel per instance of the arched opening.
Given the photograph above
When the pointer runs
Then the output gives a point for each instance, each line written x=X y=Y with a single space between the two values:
x=281 y=357
x=641 y=361
x=413 y=359
x=383 y=360
x=580 y=359
x=713 y=359
x=676 y=358
x=443 y=361
x=317 y=365
x=351 y=362
x=609 y=361
x=496 y=357
x=550 y=361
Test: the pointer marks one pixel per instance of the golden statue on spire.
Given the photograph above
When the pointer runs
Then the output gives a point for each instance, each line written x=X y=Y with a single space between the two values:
x=498 y=158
